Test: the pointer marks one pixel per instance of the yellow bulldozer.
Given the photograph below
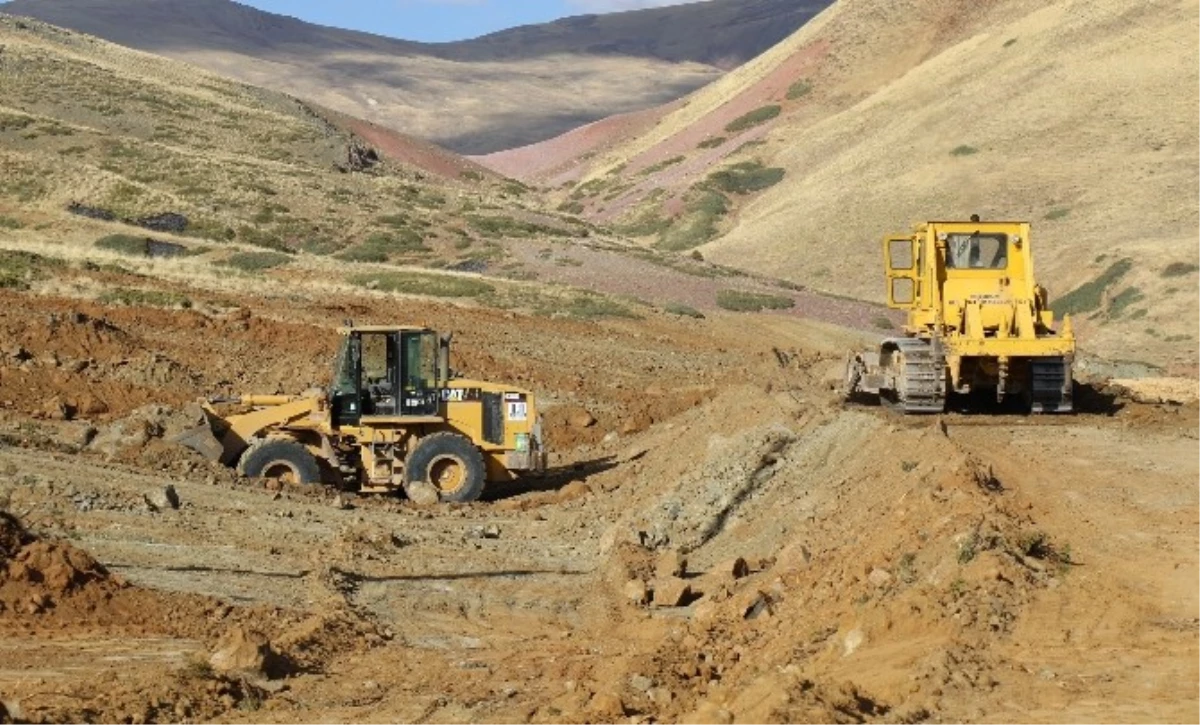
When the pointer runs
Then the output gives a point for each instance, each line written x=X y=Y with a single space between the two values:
x=979 y=327
x=393 y=416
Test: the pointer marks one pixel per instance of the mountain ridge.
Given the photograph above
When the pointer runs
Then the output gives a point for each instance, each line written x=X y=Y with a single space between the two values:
x=501 y=90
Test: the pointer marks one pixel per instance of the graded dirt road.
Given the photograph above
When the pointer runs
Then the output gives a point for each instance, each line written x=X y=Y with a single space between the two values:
x=842 y=564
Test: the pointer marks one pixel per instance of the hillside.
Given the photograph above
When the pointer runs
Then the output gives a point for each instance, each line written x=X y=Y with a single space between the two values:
x=502 y=90
x=1079 y=116
x=100 y=142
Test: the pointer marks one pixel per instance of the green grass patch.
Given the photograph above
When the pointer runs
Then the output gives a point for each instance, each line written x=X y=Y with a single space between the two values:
x=650 y=223
x=746 y=178
x=1008 y=43
x=126 y=244
x=882 y=322
x=1090 y=295
x=682 y=310
x=1178 y=269
x=665 y=164
x=754 y=118
x=587 y=306
x=18 y=269
x=589 y=188
x=711 y=143
x=430 y=285
x=144 y=298
x=799 y=89
x=1121 y=301
x=571 y=207
x=7 y=222
x=963 y=150
x=382 y=247
x=257 y=261
x=739 y=301
x=697 y=225
x=267 y=213
x=1056 y=214
x=505 y=226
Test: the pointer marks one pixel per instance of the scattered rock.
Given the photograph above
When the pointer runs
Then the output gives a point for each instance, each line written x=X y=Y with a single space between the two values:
x=661 y=696
x=242 y=651
x=57 y=409
x=91 y=212
x=422 y=493
x=671 y=564
x=735 y=569
x=341 y=502
x=359 y=157
x=671 y=592
x=606 y=706
x=491 y=531
x=641 y=683
x=879 y=577
x=755 y=605
x=854 y=639
x=635 y=591
x=89 y=405
x=163 y=499
x=705 y=612
x=165 y=222
x=581 y=418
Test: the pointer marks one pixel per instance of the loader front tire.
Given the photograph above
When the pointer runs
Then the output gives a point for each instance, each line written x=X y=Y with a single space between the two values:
x=450 y=463
x=284 y=460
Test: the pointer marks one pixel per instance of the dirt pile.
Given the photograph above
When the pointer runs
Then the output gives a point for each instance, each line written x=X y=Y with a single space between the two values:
x=39 y=575
x=818 y=551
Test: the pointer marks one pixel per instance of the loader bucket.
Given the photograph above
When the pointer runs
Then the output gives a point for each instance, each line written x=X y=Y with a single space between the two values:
x=201 y=440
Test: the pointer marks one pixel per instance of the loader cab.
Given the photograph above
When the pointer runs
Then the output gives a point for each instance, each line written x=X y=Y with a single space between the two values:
x=387 y=372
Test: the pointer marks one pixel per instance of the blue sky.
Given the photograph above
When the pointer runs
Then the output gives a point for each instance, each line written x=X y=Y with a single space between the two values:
x=443 y=20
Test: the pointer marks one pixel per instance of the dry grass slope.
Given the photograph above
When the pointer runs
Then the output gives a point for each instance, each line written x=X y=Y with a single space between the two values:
x=1079 y=116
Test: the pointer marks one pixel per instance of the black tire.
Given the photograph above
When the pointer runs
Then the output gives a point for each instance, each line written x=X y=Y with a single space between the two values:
x=451 y=464
x=285 y=460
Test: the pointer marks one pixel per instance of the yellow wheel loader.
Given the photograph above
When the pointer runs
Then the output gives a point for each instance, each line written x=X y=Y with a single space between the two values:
x=978 y=325
x=392 y=417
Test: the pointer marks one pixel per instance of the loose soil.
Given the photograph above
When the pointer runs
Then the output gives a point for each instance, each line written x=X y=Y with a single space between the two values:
x=843 y=564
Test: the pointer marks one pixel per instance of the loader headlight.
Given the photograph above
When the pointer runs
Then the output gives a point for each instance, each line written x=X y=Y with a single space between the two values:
x=522 y=442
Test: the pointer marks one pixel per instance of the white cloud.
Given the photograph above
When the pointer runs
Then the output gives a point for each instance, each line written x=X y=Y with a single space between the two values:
x=613 y=6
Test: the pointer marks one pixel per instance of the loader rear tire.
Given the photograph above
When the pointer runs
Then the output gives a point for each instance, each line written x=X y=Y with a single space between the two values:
x=284 y=460
x=451 y=464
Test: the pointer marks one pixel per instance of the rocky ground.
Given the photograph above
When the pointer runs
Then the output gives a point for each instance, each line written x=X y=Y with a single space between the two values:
x=720 y=539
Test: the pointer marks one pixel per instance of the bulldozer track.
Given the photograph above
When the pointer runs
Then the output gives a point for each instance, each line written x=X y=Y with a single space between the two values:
x=922 y=383
x=1050 y=385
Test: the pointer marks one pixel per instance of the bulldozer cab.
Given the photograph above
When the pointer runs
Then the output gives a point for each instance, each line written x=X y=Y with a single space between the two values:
x=387 y=373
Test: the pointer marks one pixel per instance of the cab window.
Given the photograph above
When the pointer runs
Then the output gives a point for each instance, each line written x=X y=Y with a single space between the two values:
x=420 y=361
x=977 y=251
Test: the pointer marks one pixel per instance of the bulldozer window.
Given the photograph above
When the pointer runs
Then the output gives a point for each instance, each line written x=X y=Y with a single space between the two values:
x=420 y=361
x=345 y=378
x=374 y=358
x=900 y=253
x=977 y=251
